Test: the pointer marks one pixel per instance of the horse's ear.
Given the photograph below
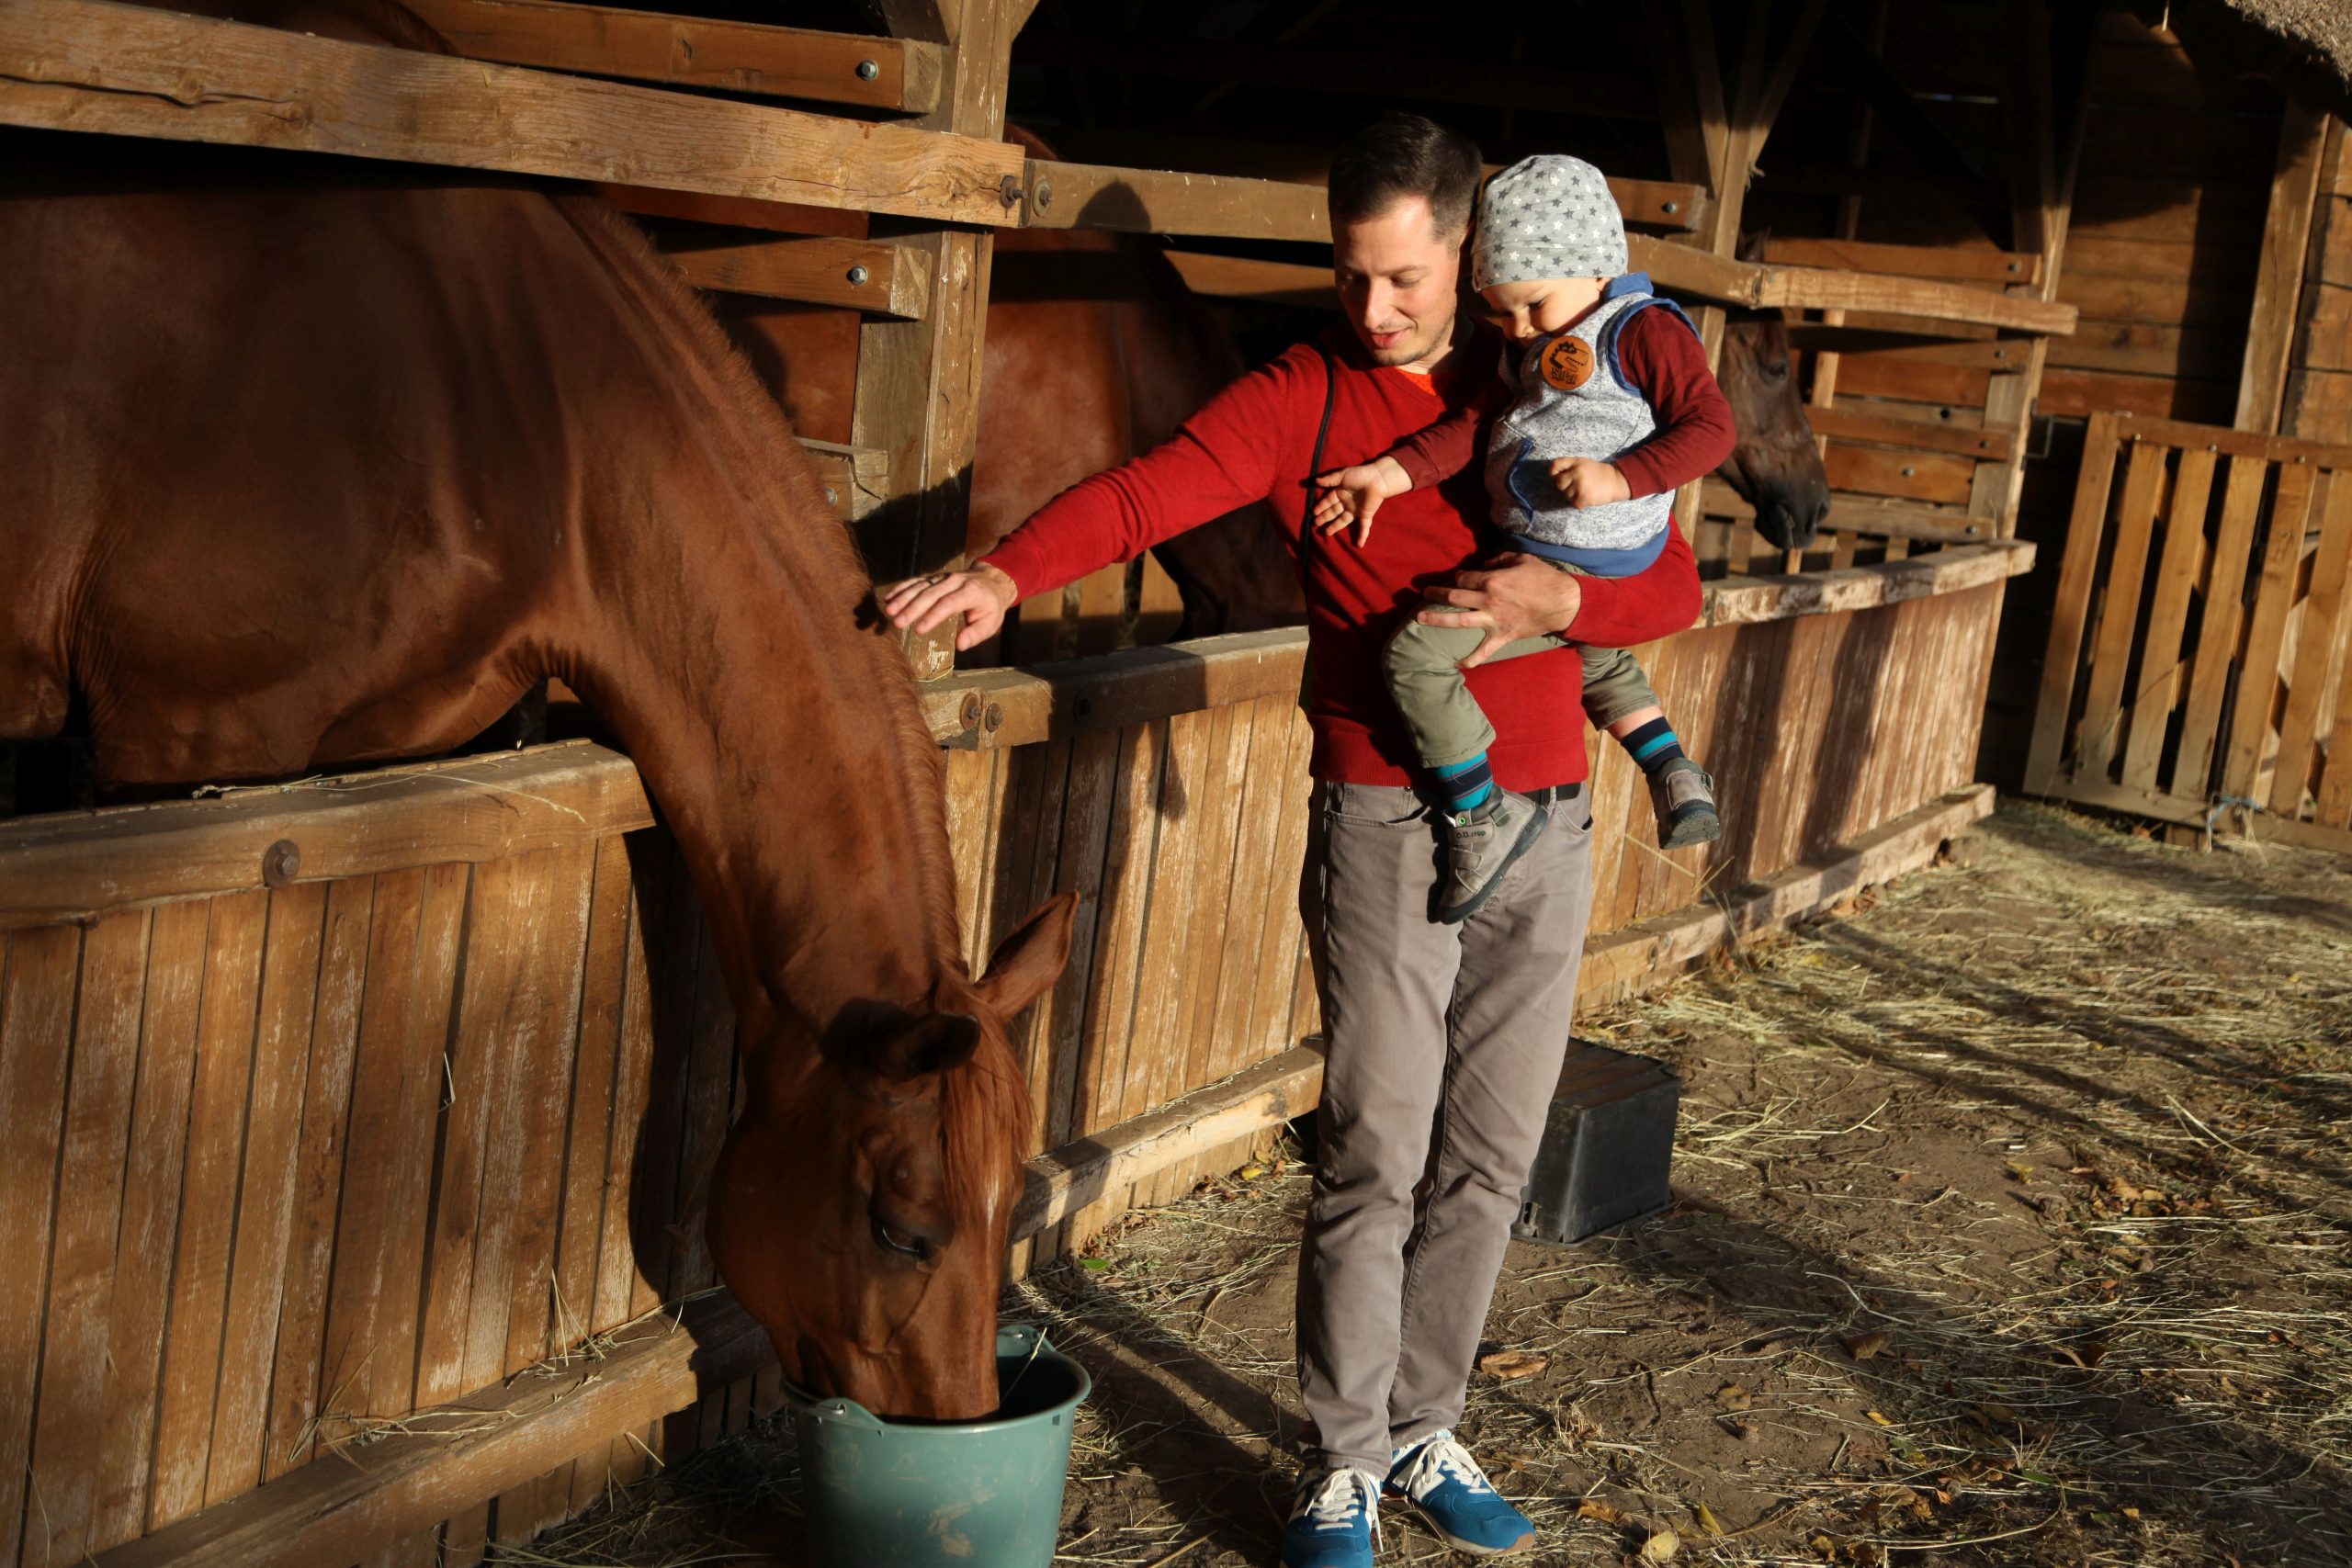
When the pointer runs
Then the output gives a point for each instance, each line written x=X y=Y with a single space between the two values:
x=1031 y=959
x=931 y=1044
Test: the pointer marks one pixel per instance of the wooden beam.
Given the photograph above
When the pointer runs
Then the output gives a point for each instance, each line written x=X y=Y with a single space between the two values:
x=1749 y=600
x=346 y=1507
x=737 y=213
x=1069 y=1179
x=96 y=65
x=1687 y=270
x=2233 y=443
x=1246 y=278
x=76 y=866
x=1624 y=962
x=872 y=276
x=1855 y=424
x=1861 y=514
x=897 y=75
x=2278 y=288
x=1953 y=264
x=856 y=479
x=917 y=392
x=2257 y=826
x=1156 y=201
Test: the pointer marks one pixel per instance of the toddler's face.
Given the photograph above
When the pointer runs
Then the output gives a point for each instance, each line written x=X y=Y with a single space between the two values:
x=1538 y=306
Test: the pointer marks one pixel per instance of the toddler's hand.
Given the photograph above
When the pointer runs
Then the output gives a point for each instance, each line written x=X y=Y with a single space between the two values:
x=1585 y=482
x=1353 y=494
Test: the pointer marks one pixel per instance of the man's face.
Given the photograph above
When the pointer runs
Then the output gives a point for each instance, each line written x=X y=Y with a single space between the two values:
x=1396 y=276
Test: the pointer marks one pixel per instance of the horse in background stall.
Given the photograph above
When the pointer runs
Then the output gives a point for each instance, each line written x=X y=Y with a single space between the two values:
x=315 y=462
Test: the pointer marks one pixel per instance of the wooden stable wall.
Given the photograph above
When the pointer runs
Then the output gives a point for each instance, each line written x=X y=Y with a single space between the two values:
x=297 y=1143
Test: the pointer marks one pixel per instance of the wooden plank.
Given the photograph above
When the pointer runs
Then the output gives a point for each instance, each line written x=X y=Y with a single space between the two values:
x=2077 y=394
x=856 y=479
x=2131 y=524
x=2318 y=659
x=2070 y=616
x=1917 y=476
x=96 y=65
x=2207 y=818
x=899 y=74
x=872 y=276
x=1250 y=278
x=2266 y=635
x=1953 y=570
x=1621 y=963
x=69 y=1447
x=2271 y=448
x=1156 y=201
x=265 y=1197
x=36 y=1042
x=2217 y=633
x=738 y=211
x=1854 y=423
x=493 y=1440
x=2160 y=656
x=76 y=865
x=224 y=1057
x=1952 y=263
x=151 y=1206
x=2278 y=287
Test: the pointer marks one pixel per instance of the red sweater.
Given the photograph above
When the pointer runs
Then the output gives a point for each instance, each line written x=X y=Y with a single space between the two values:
x=1253 y=442
x=1661 y=356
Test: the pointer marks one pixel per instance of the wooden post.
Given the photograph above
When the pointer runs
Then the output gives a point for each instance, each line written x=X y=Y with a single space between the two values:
x=2279 y=285
x=919 y=382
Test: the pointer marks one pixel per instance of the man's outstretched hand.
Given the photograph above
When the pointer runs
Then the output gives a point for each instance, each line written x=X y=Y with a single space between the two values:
x=1510 y=597
x=980 y=595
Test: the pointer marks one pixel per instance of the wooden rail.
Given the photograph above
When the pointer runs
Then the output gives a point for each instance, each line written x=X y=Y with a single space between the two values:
x=95 y=65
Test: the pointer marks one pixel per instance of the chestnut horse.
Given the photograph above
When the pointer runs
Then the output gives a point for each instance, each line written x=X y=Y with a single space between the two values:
x=312 y=463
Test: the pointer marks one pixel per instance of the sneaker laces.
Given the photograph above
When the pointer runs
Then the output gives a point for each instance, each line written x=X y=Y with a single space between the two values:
x=1342 y=1496
x=1437 y=1458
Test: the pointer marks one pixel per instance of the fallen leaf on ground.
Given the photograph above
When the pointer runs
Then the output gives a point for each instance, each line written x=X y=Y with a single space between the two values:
x=1507 y=1365
x=1707 y=1521
x=2018 y=1172
x=1661 y=1547
x=1863 y=1347
x=1593 y=1508
x=1734 y=1397
x=1877 y=1417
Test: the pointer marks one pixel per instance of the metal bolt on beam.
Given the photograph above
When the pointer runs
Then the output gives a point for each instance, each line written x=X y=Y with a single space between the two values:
x=857 y=276
x=868 y=70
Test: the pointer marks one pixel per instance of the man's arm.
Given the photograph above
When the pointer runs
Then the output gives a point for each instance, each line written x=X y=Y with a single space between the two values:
x=1220 y=459
x=1517 y=597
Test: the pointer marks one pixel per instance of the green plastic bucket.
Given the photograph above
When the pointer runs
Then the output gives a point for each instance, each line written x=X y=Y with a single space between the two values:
x=984 y=1494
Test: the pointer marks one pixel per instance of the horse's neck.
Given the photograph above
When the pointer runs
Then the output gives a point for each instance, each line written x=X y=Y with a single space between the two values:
x=780 y=741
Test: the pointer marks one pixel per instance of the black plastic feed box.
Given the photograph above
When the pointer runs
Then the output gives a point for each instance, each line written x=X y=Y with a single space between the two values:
x=1606 y=1147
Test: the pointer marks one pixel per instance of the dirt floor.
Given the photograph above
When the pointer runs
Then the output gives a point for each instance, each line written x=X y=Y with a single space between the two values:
x=2012 y=1229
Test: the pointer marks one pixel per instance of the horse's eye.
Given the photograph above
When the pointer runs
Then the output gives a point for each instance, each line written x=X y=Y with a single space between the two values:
x=904 y=1243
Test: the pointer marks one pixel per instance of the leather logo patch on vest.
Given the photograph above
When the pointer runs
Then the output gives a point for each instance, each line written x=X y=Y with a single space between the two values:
x=1566 y=363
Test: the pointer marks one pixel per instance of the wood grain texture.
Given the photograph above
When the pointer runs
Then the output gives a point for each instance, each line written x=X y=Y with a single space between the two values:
x=95 y=65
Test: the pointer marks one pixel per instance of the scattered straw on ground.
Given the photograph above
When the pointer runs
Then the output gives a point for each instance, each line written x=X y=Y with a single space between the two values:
x=2012 y=1229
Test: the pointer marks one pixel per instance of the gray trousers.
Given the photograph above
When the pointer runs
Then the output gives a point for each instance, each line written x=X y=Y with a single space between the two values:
x=1445 y=1045
x=1423 y=666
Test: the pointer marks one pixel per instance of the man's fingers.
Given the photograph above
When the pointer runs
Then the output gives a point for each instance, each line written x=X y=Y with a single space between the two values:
x=1491 y=643
x=1434 y=615
x=963 y=597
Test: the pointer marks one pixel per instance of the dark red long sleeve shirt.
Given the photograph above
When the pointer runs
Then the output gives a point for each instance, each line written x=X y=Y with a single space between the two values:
x=1661 y=356
x=1253 y=442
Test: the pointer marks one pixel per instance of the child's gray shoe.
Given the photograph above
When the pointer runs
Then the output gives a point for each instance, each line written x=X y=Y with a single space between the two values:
x=1480 y=845
x=1684 y=799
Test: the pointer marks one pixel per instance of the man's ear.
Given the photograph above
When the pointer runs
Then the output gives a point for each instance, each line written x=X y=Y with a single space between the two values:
x=1031 y=959
x=931 y=1044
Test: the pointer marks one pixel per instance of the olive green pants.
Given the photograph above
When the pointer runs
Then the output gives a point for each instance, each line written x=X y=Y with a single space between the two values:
x=1424 y=665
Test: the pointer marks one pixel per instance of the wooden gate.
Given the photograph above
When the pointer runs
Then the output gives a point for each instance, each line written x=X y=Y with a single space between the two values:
x=2196 y=661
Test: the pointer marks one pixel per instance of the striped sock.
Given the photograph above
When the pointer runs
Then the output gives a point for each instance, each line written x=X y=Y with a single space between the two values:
x=1466 y=785
x=1653 y=746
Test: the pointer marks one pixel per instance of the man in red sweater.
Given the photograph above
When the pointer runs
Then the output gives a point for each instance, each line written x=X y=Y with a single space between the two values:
x=1445 y=1040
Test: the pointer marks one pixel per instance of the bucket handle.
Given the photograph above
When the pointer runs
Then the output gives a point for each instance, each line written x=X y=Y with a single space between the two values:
x=848 y=1413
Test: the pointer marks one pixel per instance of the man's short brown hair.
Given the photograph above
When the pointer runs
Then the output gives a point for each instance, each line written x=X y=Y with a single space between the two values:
x=1400 y=155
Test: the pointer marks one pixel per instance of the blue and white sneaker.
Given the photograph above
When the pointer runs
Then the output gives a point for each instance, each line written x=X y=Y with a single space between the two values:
x=1334 y=1520
x=1438 y=1476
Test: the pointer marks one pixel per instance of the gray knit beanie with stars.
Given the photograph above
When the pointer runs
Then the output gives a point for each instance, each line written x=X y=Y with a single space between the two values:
x=1547 y=216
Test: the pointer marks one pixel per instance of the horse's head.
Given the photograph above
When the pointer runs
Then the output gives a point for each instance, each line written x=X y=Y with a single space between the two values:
x=1774 y=464
x=862 y=1217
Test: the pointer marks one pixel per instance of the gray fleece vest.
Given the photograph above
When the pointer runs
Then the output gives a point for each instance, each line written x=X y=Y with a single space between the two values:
x=1574 y=401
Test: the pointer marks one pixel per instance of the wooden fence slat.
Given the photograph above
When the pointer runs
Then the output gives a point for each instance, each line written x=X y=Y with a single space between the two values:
x=151 y=1207
x=709 y=1100
x=289 y=989
x=224 y=1058
x=37 y=996
x=296 y=1396
x=2335 y=782
x=2217 y=632
x=2266 y=632
x=1277 y=946
x=2318 y=659
x=2160 y=657
x=2132 y=522
x=1261 y=743
x=67 y=1445
x=95 y=65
